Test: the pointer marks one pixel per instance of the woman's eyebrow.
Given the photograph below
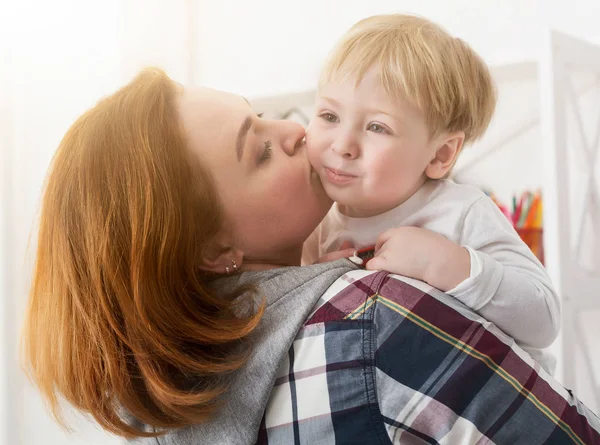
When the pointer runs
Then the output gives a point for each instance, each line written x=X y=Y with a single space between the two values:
x=241 y=137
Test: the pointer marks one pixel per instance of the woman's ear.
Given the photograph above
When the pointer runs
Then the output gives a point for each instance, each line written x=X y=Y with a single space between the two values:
x=223 y=261
x=221 y=257
x=445 y=156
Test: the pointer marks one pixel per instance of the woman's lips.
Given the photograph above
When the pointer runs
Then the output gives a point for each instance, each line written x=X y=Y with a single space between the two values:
x=338 y=177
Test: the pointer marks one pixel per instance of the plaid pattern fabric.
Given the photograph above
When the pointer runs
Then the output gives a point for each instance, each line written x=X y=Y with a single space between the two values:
x=384 y=359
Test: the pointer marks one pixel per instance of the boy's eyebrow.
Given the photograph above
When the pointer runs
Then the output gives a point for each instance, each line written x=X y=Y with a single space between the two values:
x=329 y=99
x=367 y=110
x=380 y=111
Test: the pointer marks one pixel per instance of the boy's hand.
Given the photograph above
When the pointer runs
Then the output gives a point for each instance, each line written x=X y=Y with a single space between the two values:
x=423 y=255
x=346 y=251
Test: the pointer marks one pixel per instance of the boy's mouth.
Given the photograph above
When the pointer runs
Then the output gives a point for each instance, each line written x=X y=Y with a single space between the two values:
x=338 y=177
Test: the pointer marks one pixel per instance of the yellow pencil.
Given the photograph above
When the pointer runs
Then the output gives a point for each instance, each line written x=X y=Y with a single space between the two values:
x=538 y=222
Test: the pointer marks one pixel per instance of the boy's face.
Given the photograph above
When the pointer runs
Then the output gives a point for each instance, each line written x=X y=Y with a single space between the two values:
x=370 y=150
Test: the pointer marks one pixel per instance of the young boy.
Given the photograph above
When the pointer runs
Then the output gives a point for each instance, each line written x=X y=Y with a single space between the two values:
x=397 y=100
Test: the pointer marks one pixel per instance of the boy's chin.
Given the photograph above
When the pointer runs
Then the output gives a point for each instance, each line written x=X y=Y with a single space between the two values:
x=342 y=199
x=333 y=192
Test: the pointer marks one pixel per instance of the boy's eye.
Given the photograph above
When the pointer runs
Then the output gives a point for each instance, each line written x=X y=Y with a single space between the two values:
x=376 y=128
x=329 y=117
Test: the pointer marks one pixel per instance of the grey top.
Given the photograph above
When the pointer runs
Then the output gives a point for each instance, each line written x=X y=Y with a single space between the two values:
x=290 y=294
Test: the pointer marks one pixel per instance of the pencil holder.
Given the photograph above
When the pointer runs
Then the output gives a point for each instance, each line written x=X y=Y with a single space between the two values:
x=534 y=238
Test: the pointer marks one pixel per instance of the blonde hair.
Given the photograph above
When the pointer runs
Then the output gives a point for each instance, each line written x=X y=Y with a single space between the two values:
x=420 y=62
x=119 y=318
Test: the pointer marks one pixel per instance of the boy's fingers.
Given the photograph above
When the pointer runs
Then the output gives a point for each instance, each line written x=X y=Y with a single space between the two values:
x=376 y=263
x=383 y=238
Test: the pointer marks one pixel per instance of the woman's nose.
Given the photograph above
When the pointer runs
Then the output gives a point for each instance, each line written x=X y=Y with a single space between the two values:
x=292 y=136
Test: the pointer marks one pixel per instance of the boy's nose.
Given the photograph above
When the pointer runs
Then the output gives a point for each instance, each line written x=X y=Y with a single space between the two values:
x=346 y=147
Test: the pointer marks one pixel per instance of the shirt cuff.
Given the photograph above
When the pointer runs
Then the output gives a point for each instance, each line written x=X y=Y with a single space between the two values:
x=473 y=291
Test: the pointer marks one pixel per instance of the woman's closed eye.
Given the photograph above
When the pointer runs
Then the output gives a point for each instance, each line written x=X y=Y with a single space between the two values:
x=266 y=154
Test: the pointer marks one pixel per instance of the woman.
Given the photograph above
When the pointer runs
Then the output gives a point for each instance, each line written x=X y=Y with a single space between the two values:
x=165 y=301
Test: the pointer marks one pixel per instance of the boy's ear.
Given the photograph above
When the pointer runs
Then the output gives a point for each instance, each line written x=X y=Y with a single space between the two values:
x=449 y=148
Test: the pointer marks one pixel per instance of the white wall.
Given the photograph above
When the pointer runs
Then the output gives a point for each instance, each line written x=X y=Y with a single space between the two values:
x=263 y=47
x=5 y=175
x=60 y=58
x=576 y=17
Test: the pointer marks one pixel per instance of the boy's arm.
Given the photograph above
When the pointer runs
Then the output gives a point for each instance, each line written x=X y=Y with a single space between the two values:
x=495 y=273
x=507 y=284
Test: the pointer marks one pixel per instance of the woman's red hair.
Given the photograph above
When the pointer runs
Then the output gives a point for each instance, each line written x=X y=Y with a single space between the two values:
x=118 y=318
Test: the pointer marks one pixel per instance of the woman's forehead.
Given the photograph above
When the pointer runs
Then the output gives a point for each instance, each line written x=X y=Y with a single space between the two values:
x=211 y=117
x=200 y=102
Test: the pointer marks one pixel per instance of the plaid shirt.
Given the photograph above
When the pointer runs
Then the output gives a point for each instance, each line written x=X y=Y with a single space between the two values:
x=384 y=359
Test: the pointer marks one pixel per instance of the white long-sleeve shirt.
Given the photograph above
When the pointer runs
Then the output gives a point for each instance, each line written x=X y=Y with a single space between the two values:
x=507 y=284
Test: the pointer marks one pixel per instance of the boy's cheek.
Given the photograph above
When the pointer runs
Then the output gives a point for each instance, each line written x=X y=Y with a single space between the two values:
x=313 y=157
x=313 y=148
